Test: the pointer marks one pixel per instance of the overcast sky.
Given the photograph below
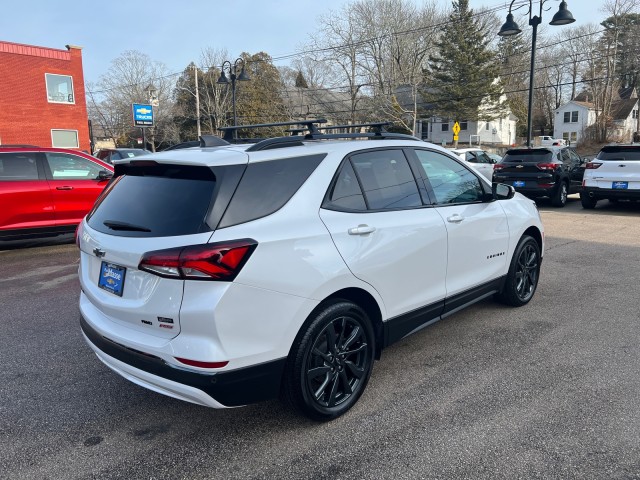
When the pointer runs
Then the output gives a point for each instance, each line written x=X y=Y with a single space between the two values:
x=175 y=32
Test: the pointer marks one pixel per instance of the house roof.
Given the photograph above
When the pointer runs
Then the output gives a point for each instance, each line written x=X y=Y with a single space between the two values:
x=629 y=92
x=621 y=109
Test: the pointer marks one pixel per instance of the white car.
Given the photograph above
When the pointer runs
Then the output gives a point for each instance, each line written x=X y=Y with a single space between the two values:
x=232 y=274
x=614 y=175
x=478 y=159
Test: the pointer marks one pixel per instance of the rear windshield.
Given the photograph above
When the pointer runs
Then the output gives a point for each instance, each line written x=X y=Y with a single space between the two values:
x=619 y=153
x=155 y=201
x=527 y=156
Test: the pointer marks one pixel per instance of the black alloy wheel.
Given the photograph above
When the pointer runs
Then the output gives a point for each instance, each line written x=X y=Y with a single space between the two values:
x=331 y=362
x=524 y=272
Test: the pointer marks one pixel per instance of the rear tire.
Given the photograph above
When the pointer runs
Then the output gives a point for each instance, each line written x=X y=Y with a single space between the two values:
x=523 y=275
x=559 y=199
x=330 y=362
x=587 y=201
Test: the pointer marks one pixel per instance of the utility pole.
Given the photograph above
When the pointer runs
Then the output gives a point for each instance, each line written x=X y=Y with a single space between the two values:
x=195 y=70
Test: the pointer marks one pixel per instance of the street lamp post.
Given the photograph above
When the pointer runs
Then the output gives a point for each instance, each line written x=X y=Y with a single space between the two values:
x=233 y=76
x=562 y=17
x=153 y=101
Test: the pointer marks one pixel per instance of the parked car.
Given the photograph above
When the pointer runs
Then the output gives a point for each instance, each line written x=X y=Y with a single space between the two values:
x=111 y=154
x=292 y=263
x=495 y=158
x=478 y=159
x=547 y=140
x=47 y=191
x=614 y=174
x=552 y=172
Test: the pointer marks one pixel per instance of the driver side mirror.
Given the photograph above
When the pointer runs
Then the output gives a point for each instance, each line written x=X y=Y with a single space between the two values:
x=104 y=175
x=502 y=191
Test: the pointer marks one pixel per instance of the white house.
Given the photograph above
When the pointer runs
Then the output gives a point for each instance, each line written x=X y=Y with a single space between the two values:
x=573 y=119
x=501 y=131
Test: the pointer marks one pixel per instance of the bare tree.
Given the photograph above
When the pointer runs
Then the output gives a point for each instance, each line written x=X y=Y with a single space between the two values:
x=125 y=83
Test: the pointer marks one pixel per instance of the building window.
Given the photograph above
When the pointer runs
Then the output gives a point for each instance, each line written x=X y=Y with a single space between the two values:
x=635 y=114
x=59 y=88
x=571 y=117
x=463 y=126
x=64 y=138
x=445 y=127
x=486 y=127
x=573 y=137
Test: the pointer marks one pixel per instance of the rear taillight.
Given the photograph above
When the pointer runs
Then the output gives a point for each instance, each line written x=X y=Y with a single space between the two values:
x=592 y=165
x=211 y=261
x=548 y=166
x=497 y=166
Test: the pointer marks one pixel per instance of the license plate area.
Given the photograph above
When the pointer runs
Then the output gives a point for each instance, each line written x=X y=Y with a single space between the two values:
x=518 y=183
x=112 y=278
x=620 y=185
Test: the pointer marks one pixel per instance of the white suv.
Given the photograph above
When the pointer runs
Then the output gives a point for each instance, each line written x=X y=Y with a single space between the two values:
x=232 y=274
x=614 y=175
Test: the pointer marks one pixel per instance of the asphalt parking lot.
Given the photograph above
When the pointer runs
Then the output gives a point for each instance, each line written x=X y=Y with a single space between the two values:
x=549 y=390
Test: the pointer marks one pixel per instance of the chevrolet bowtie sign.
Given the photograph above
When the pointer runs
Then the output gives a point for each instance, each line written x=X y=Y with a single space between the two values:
x=142 y=115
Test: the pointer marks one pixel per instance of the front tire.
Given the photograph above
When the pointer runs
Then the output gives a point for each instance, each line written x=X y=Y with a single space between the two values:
x=330 y=362
x=560 y=197
x=523 y=275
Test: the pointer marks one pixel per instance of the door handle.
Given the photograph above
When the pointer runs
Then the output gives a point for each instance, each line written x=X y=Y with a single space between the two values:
x=455 y=218
x=361 y=230
x=65 y=187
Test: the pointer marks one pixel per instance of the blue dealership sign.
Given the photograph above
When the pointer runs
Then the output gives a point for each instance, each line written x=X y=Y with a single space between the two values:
x=142 y=115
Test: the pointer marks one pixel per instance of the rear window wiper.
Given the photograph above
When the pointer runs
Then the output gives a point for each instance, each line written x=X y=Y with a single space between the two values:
x=116 y=225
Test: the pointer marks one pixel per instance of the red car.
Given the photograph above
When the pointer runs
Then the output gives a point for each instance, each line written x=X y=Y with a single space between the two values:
x=47 y=191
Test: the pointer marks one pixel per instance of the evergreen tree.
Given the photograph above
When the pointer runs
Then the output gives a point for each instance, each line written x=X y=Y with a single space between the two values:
x=462 y=80
x=300 y=80
x=624 y=31
x=260 y=99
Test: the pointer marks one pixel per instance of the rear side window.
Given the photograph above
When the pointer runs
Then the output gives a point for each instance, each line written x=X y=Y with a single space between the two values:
x=619 y=153
x=267 y=186
x=533 y=155
x=18 y=166
x=156 y=201
x=346 y=193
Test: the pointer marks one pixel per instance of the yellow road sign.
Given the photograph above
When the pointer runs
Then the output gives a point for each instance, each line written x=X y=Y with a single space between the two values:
x=455 y=138
x=456 y=129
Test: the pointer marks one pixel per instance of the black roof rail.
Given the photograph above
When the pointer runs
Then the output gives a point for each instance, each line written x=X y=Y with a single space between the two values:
x=296 y=140
x=231 y=132
x=212 y=141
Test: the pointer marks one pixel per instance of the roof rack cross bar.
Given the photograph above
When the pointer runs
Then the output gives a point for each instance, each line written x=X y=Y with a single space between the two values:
x=308 y=124
x=377 y=127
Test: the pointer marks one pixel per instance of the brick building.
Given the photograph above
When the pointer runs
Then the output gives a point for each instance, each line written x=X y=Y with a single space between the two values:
x=42 y=99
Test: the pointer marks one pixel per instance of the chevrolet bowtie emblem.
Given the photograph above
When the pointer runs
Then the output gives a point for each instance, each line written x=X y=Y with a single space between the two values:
x=99 y=253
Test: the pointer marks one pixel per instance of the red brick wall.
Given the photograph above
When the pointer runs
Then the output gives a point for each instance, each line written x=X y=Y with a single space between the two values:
x=26 y=116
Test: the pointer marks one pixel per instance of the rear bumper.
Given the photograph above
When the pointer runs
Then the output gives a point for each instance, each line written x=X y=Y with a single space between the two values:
x=537 y=192
x=218 y=390
x=599 y=193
